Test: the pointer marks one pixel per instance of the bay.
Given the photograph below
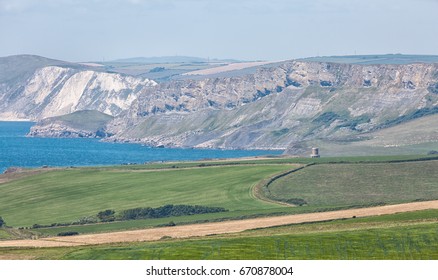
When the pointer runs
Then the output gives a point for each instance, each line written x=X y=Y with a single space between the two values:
x=18 y=150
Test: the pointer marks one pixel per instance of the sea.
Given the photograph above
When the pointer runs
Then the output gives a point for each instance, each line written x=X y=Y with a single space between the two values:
x=17 y=150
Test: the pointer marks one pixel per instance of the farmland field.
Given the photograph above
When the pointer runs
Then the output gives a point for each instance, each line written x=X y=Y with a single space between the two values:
x=399 y=236
x=68 y=195
x=325 y=184
x=359 y=184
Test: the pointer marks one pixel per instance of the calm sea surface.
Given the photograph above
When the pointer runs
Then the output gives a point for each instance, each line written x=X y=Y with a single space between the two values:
x=18 y=150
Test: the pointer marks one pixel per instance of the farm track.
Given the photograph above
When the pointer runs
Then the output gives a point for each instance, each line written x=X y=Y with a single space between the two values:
x=199 y=230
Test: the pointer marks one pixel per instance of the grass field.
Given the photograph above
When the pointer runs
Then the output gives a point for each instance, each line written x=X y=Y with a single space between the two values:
x=400 y=236
x=67 y=195
x=330 y=183
x=359 y=184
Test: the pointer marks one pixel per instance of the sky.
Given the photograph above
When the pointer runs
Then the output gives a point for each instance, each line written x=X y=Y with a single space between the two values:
x=96 y=30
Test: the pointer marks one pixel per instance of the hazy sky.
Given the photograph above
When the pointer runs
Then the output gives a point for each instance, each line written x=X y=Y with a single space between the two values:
x=92 y=30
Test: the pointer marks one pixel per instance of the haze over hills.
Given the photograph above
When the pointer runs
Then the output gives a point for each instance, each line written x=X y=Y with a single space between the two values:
x=325 y=101
x=171 y=59
x=376 y=59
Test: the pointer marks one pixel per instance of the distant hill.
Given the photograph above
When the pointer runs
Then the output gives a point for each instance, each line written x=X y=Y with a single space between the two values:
x=171 y=59
x=375 y=59
x=349 y=103
x=34 y=87
x=20 y=67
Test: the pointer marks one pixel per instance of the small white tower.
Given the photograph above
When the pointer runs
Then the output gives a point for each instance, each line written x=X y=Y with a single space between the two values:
x=315 y=153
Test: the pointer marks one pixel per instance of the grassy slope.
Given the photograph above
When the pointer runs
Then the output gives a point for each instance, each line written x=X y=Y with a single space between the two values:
x=401 y=236
x=359 y=184
x=87 y=120
x=67 y=195
x=55 y=196
x=411 y=137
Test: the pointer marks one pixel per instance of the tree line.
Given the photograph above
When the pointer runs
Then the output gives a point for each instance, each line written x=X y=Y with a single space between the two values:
x=165 y=211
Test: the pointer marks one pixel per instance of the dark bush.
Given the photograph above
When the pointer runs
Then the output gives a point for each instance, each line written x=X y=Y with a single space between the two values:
x=169 y=224
x=106 y=216
x=296 y=201
x=2 y=222
x=167 y=211
x=68 y=233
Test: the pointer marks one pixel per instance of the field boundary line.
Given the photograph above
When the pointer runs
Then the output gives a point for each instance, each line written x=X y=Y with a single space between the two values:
x=258 y=189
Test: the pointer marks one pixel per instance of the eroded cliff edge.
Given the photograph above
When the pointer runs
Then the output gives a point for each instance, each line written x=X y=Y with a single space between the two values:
x=278 y=107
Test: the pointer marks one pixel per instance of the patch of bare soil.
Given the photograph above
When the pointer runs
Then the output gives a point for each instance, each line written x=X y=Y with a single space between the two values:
x=216 y=228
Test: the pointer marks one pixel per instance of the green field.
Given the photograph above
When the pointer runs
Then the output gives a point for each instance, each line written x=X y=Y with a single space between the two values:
x=67 y=195
x=360 y=184
x=400 y=236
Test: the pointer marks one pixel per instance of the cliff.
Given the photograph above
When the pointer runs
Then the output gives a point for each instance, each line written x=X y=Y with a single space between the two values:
x=33 y=88
x=279 y=106
x=290 y=105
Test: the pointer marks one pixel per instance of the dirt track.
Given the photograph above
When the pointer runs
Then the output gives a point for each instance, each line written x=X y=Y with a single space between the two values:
x=215 y=228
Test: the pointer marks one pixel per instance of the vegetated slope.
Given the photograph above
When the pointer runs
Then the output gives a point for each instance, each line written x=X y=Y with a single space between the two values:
x=281 y=106
x=76 y=193
x=410 y=136
x=420 y=218
x=377 y=238
x=17 y=68
x=359 y=184
x=87 y=123
x=34 y=88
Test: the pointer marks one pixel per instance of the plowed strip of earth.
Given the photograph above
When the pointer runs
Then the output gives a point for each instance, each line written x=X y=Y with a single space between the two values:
x=216 y=228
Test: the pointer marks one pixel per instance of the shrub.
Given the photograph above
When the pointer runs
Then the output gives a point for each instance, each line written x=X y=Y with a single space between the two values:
x=86 y=220
x=296 y=201
x=68 y=233
x=2 y=222
x=167 y=211
x=106 y=216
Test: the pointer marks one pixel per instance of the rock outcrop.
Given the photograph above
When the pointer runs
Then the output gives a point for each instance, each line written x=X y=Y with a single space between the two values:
x=80 y=124
x=277 y=107
x=280 y=106
x=55 y=88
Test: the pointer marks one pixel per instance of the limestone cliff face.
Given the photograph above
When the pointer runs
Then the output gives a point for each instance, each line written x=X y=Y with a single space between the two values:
x=279 y=106
x=53 y=91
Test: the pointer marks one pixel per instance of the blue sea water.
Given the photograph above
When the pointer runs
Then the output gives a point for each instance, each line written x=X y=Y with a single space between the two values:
x=18 y=150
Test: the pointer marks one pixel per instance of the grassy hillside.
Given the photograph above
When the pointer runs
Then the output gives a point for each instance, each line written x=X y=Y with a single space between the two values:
x=89 y=120
x=415 y=136
x=399 y=236
x=359 y=184
x=67 y=195
x=20 y=67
